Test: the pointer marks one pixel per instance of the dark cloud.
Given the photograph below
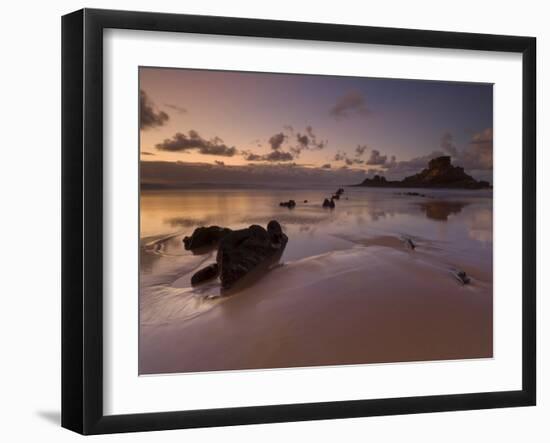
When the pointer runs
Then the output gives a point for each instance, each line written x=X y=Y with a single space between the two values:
x=185 y=175
x=307 y=141
x=376 y=158
x=303 y=140
x=251 y=157
x=343 y=156
x=193 y=141
x=219 y=162
x=176 y=108
x=326 y=166
x=352 y=103
x=149 y=117
x=360 y=150
x=276 y=141
x=278 y=156
x=273 y=156
x=340 y=156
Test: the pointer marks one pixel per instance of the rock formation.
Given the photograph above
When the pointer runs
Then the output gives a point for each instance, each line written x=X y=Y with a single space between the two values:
x=246 y=250
x=439 y=174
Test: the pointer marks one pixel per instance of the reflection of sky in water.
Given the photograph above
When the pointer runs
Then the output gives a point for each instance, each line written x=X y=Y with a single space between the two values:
x=458 y=223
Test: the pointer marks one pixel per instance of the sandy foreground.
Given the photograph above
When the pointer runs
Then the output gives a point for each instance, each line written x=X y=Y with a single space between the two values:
x=371 y=303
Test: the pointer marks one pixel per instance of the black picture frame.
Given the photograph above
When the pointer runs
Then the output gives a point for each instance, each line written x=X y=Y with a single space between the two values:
x=82 y=218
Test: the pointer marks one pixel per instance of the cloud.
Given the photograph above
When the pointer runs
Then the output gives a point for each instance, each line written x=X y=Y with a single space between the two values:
x=360 y=150
x=447 y=144
x=478 y=154
x=307 y=141
x=326 y=166
x=303 y=140
x=185 y=174
x=251 y=157
x=273 y=156
x=148 y=116
x=376 y=158
x=279 y=156
x=339 y=156
x=193 y=141
x=295 y=142
x=219 y=162
x=146 y=153
x=176 y=108
x=343 y=156
x=275 y=141
x=352 y=103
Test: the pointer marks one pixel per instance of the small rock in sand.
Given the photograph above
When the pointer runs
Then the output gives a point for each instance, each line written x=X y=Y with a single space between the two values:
x=289 y=204
x=409 y=243
x=329 y=203
x=461 y=276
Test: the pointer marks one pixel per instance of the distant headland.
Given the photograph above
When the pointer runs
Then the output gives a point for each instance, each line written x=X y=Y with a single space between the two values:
x=439 y=174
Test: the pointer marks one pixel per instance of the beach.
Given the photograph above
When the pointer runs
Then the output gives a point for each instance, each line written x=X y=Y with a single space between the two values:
x=347 y=289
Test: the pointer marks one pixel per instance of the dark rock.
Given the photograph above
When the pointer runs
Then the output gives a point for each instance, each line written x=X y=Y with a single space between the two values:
x=247 y=250
x=414 y=194
x=205 y=237
x=329 y=203
x=409 y=243
x=439 y=174
x=305 y=201
x=289 y=204
x=461 y=276
x=336 y=197
x=208 y=273
x=340 y=191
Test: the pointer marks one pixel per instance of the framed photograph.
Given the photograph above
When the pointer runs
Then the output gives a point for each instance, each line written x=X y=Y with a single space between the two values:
x=269 y=221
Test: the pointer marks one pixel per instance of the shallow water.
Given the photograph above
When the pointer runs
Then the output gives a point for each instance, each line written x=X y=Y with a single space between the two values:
x=456 y=222
x=450 y=229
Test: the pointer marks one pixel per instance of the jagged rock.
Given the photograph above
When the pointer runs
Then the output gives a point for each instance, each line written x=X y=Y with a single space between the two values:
x=461 y=276
x=208 y=273
x=289 y=204
x=329 y=203
x=247 y=250
x=205 y=237
x=409 y=243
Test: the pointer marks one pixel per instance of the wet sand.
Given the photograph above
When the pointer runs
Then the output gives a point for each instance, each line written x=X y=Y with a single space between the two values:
x=348 y=290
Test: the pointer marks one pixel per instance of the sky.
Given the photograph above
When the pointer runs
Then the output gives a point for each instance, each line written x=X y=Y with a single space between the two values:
x=252 y=127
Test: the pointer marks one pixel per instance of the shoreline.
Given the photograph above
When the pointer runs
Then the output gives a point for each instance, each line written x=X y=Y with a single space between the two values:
x=349 y=289
x=410 y=310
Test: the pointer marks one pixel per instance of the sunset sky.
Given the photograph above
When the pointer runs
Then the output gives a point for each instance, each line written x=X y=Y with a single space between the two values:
x=316 y=126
